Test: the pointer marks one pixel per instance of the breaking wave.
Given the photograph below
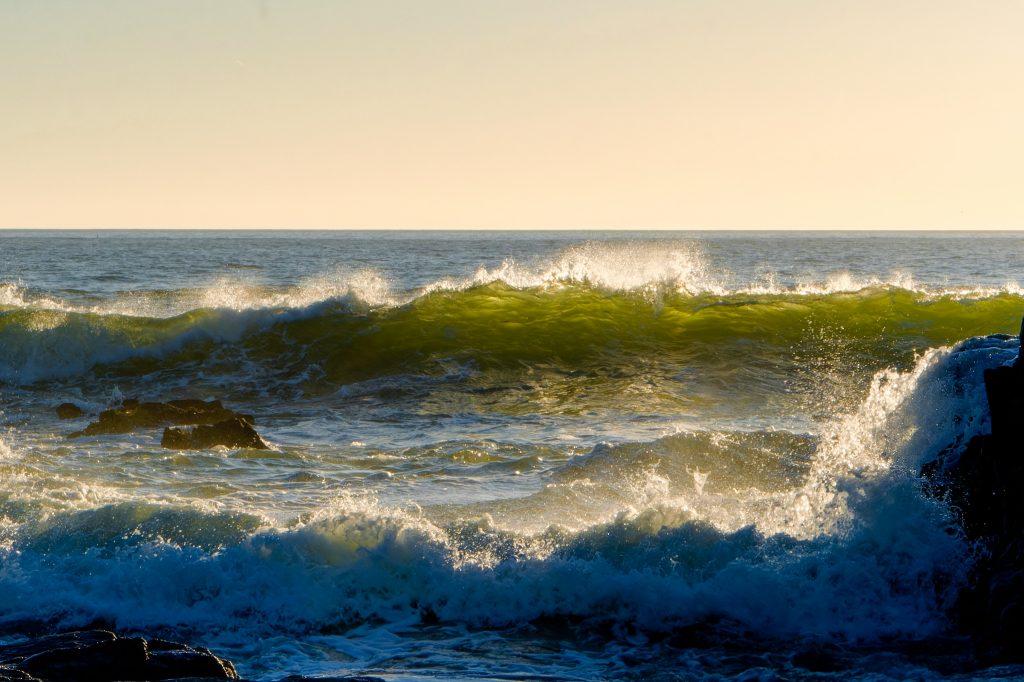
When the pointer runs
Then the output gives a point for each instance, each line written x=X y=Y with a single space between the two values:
x=850 y=549
x=573 y=326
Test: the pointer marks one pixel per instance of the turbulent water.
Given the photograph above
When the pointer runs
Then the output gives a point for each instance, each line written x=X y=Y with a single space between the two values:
x=533 y=455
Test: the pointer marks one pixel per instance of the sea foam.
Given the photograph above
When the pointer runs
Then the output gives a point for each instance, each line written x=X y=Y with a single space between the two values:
x=856 y=552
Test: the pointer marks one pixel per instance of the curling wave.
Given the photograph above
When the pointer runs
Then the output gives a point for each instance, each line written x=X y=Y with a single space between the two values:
x=574 y=326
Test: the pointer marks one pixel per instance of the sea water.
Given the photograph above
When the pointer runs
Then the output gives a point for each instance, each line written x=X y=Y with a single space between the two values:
x=501 y=455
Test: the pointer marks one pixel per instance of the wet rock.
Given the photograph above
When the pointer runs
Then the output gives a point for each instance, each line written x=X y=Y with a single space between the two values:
x=233 y=433
x=102 y=656
x=199 y=663
x=69 y=411
x=133 y=415
x=982 y=481
x=14 y=675
x=117 y=659
x=12 y=654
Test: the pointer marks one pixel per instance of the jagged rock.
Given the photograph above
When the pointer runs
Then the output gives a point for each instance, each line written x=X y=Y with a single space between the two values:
x=101 y=656
x=232 y=433
x=133 y=415
x=69 y=411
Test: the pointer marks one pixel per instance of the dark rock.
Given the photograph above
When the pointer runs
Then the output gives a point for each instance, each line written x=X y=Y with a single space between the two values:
x=12 y=654
x=13 y=675
x=69 y=411
x=101 y=656
x=233 y=433
x=117 y=659
x=187 y=662
x=133 y=415
x=819 y=658
x=1005 y=400
x=982 y=481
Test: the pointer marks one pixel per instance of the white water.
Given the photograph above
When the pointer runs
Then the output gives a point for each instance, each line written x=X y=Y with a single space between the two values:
x=847 y=554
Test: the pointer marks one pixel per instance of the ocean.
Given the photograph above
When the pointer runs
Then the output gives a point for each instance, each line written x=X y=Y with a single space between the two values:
x=502 y=455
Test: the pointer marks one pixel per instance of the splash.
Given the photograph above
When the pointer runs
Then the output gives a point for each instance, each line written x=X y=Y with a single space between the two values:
x=651 y=269
x=6 y=453
x=852 y=551
x=628 y=267
x=493 y=326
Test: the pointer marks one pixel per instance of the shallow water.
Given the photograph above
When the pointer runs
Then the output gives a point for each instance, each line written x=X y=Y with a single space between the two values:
x=526 y=455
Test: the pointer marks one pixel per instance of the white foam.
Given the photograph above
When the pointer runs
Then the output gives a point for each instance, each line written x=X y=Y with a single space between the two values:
x=16 y=296
x=650 y=268
x=367 y=287
x=632 y=266
x=856 y=552
x=6 y=453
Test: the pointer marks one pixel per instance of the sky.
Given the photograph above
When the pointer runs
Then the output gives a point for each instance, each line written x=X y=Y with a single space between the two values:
x=572 y=114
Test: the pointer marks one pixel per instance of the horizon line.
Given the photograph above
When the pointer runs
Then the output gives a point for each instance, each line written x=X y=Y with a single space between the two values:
x=508 y=229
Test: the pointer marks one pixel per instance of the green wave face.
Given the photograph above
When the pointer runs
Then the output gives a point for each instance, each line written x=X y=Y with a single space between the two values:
x=579 y=328
x=573 y=331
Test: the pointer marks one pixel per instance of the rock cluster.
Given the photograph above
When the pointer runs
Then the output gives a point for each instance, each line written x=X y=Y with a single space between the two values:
x=984 y=482
x=133 y=415
x=211 y=423
x=102 y=656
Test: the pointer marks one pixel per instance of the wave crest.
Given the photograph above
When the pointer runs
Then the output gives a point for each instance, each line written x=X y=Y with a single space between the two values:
x=493 y=326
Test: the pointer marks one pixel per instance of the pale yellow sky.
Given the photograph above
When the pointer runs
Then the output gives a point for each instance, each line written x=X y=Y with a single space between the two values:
x=527 y=114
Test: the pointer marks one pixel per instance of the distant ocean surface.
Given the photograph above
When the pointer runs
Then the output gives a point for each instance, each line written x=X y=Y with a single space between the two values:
x=532 y=455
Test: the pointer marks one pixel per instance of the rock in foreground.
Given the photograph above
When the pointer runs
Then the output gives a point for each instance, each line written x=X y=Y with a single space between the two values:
x=983 y=481
x=102 y=656
x=233 y=433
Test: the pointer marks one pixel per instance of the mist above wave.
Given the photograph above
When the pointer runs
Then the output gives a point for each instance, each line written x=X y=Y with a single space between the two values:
x=651 y=269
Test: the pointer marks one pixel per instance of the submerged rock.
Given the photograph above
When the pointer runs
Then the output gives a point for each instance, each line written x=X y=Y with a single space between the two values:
x=233 y=433
x=102 y=656
x=983 y=481
x=69 y=411
x=133 y=415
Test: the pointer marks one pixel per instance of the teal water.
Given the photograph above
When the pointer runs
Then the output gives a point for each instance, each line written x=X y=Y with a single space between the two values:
x=498 y=455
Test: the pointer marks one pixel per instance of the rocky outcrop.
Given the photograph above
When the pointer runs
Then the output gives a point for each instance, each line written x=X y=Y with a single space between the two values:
x=133 y=415
x=983 y=481
x=103 y=656
x=210 y=423
x=233 y=433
